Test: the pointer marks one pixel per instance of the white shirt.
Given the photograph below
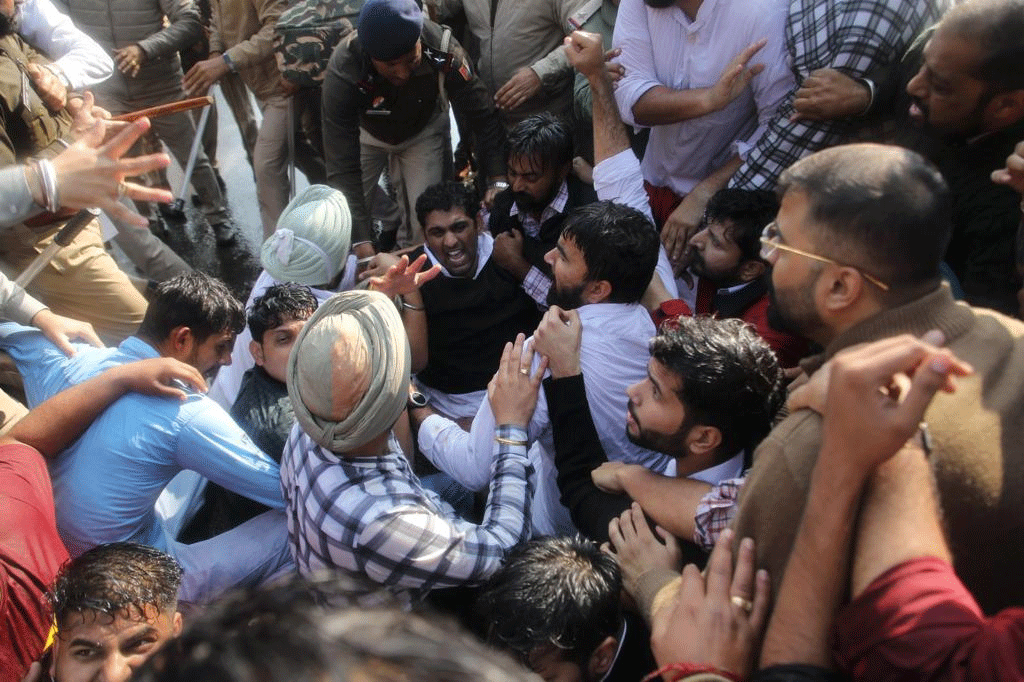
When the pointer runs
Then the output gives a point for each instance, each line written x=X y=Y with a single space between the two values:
x=224 y=389
x=618 y=179
x=663 y=47
x=81 y=59
x=613 y=356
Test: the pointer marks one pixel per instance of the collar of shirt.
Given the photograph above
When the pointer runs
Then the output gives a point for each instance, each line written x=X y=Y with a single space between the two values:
x=135 y=347
x=733 y=289
x=484 y=247
x=731 y=468
x=706 y=9
x=556 y=207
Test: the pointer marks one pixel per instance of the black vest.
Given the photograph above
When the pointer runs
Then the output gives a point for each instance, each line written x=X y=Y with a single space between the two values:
x=468 y=323
x=534 y=248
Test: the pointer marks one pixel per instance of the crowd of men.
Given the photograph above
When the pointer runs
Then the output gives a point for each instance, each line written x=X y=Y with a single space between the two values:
x=700 y=357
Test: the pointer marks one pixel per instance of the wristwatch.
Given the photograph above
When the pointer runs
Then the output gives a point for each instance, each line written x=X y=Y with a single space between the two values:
x=417 y=399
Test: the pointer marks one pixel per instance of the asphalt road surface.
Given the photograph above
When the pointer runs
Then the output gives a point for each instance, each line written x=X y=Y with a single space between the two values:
x=237 y=265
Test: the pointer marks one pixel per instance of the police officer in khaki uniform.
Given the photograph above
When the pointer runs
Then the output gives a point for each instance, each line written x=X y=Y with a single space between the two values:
x=385 y=104
x=82 y=281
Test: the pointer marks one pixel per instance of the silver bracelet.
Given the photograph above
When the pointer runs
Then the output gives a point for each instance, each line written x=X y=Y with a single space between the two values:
x=410 y=306
x=48 y=176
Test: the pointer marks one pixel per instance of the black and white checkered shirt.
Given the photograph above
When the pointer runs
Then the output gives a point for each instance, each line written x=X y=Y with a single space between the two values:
x=852 y=36
x=370 y=516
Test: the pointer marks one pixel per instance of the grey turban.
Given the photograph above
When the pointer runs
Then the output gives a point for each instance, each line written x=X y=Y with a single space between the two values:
x=348 y=374
x=312 y=240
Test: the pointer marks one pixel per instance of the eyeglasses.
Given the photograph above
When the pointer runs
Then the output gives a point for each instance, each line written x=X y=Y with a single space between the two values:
x=771 y=241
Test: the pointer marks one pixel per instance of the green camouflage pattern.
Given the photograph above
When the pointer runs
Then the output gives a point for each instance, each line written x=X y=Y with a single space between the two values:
x=306 y=35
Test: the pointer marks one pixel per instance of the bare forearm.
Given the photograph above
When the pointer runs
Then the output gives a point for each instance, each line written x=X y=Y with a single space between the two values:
x=416 y=329
x=720 y=178
x=662 y=106
x=809 y=596
x=900 y=519
x=610 y=136
x=671 y=502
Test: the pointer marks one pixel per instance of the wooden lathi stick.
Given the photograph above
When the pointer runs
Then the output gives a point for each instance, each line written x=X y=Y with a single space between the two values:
x=166 y=109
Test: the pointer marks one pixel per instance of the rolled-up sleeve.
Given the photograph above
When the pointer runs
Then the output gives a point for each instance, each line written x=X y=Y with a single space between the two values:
x=633 y=37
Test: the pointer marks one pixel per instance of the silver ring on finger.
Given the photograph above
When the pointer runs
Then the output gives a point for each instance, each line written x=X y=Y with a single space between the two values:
x=122 y=189
x=744 y=604
x=525 y=371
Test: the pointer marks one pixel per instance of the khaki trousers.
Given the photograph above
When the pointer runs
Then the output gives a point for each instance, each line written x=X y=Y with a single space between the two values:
x=82 y=281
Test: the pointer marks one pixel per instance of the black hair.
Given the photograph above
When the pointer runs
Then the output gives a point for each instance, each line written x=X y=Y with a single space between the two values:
x=115 y=579
x=446 y=196
x=618 y=244
x=279 y=304
x=744 y=214
x=552 y=591
x=998 y=27
x=544 y=138
x=729 y=377
x=883 y=209
x=304 y=632
x=194 y=300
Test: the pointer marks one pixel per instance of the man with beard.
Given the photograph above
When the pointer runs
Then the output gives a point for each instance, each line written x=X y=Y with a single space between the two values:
x=966 y=92
x=601 y=265
x=733 y=279
x=711 y=392
x=527 y=217
x=107 y=482
x=855 y=253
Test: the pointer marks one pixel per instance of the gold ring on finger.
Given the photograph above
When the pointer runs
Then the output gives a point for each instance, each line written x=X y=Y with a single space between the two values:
x=744 y=604
x=122 y=189
x=524 y=371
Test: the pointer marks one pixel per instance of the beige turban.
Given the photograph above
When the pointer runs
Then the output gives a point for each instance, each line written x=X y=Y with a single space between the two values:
x=348 y=373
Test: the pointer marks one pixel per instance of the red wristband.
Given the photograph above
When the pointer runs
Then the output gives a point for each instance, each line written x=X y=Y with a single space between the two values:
x=682 y=670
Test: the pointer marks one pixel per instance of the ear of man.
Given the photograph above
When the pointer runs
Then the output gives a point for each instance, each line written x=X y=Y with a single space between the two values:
x=601 y=660
x=703 y=440
x=751 y=270
x=597 y=292
x=256 y=350
x=1005 y=109
x=180 y=342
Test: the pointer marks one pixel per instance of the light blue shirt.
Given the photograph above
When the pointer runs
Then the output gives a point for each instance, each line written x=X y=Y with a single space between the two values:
x=107 y=482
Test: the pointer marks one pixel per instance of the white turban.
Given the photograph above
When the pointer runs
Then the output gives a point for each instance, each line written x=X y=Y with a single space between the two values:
x=312 y=240
x=348 y=373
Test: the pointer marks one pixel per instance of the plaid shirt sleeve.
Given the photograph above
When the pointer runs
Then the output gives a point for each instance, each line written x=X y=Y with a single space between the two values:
x=415 y=547
x=852 y=37
x=715 y=512
x=536 y=285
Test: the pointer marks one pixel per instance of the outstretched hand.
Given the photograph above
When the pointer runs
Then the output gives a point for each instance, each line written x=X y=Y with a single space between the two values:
x=91 y=172
x=400 y=277
x=717 y=618
x=736 y=77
